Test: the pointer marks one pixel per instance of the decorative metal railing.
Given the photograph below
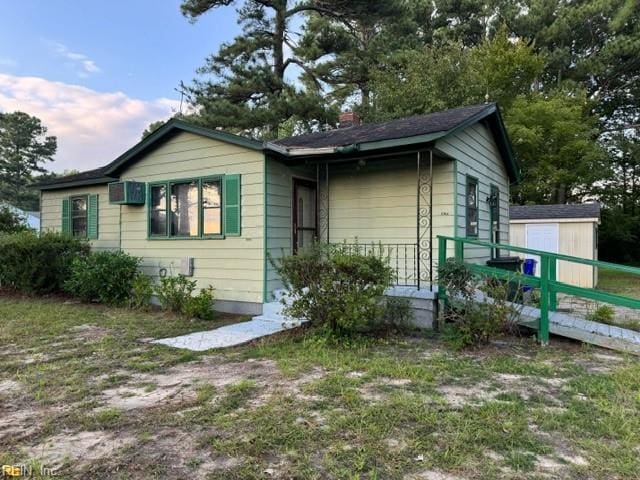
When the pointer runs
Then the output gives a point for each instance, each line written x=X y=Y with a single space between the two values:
x=402 y=258
x=547 y=281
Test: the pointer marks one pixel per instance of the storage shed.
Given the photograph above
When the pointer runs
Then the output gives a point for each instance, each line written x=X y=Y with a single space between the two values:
x=567 y=229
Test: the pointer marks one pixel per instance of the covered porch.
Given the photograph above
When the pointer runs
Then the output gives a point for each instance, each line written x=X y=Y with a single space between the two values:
x=391 y=204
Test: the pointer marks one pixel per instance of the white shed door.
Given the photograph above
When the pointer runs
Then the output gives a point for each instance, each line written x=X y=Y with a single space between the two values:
x=542 y=236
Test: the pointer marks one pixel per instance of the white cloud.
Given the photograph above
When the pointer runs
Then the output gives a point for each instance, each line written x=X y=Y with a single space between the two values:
x=92 y=127
x=83 y=64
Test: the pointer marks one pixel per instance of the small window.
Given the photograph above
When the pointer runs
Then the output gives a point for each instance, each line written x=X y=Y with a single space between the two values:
x=79 y=216
x=211 y=207
x=158 y=210
x=472 y=207
x=184 y=209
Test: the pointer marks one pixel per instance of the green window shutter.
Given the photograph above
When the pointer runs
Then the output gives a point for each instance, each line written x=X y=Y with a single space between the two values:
x=232 y=222
x=92 y=217
x=66 y=216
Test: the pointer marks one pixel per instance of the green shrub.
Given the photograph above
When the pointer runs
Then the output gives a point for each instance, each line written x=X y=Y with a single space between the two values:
x=174 y=292
x=104 y=277
x=479 y=308
x=603 y=314
x=11 y=222
x=334 y=287
x=141 y=292
x=200 y=306
x=176 y=295
x=38 y=264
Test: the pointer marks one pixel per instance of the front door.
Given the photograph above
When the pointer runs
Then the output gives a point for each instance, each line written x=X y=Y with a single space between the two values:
x=542 y=236
x=304 y=213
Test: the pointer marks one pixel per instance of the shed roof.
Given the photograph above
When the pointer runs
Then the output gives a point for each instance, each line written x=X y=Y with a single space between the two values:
x=543 y=212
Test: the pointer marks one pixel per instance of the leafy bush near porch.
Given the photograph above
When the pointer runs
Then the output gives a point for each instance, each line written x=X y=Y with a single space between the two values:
x=175 y=294
x=105 y=277
x=479 y=308
x=336 y=288
x=38 y=264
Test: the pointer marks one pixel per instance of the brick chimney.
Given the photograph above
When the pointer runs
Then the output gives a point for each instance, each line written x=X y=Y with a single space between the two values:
x=348 y=119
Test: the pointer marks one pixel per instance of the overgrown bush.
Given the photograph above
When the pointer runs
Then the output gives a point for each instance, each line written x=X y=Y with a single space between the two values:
x=200 y=306
x=334 y=287
x=141 y=292
x=174 y=292
x=176 y=295
x=104 y=277
x=479 y=308
x=38 y=264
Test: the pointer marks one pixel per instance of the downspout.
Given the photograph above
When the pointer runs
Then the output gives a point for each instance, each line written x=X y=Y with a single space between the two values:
x=120 y=227
x=418 y=253
x=40 y=223
x=264 y=232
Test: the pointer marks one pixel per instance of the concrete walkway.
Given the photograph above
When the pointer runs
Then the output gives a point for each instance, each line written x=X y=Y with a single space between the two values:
x=229 y=335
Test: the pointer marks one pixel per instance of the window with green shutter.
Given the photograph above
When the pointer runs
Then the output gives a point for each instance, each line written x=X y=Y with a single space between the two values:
x=80 y=216
x=207 y=207
x=232 y=221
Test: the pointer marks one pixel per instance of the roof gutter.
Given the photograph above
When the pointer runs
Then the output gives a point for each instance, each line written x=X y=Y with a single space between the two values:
x=74 y=183
x=300 y=152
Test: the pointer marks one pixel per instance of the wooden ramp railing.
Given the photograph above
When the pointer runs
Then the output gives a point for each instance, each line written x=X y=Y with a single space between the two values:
x=548 y=318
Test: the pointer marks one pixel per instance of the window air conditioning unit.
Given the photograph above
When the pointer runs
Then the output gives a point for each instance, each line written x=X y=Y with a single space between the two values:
x=127 y=193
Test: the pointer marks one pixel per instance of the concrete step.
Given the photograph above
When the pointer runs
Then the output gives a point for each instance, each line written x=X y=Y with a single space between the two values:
x=272 y=308
x=272 y=312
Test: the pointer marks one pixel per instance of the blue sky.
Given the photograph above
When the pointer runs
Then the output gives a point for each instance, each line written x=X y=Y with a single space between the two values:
x=97 y=73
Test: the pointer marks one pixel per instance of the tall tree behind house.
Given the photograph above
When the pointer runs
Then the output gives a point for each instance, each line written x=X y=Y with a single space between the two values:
x=24 y=149
x=243 y=87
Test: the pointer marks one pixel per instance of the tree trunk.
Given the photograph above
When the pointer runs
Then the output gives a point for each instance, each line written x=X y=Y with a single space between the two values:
x=278 y=40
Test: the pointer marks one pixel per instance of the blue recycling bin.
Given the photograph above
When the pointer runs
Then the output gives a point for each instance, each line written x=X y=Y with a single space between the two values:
x=529 y=268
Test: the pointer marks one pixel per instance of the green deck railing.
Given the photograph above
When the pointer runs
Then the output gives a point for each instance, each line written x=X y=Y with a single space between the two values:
x=547 y=282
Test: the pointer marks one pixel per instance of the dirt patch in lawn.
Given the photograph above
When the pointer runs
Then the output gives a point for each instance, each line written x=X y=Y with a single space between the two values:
x=432 y=475
x=79 y=449
x=180 y=384
x=501 y=385
x=182 y=454
x=90 y=333
x=19 y=419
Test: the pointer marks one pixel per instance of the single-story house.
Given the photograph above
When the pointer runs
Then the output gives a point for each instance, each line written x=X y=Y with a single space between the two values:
x=567 y=229
x=216 y=206
x=30 y=219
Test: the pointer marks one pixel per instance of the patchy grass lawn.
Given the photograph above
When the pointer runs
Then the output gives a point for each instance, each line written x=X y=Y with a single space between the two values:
x=619 y=282
x=81 y=389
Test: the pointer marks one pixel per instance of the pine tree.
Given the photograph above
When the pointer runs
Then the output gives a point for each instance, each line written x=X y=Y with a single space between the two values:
x=24 y=148
x=245 y=87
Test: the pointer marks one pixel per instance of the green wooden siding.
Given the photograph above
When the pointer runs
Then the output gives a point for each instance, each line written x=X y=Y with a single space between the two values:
x=477 y=155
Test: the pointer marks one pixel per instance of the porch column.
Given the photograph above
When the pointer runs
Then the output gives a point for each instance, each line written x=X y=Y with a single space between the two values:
x=322 y=179
x=424 y=220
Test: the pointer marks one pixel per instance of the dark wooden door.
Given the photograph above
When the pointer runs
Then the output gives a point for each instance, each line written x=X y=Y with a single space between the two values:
x=305 y=218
